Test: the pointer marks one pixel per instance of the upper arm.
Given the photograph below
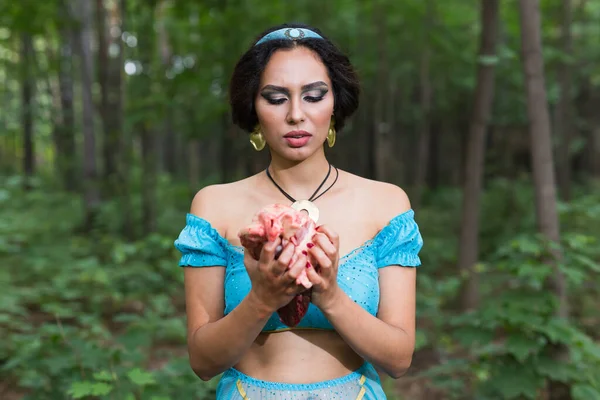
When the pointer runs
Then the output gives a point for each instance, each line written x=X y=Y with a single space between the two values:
x=204 y=286
x=397 y=305
x=397 y=302
x=204 y=296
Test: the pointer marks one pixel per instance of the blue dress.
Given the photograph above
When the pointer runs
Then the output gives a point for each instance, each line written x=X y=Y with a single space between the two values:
x=397 y=244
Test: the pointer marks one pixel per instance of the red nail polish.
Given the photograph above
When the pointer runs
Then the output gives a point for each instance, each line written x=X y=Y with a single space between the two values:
x=318 y=227
x=308 y=265
x=310 y=245
x=304 y=252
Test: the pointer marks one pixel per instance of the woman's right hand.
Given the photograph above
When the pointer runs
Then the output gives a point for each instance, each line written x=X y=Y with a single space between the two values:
x=273 y=283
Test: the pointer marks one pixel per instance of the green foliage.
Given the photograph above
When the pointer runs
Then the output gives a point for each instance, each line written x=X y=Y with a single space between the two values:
x=506 y=348
x=88 y=317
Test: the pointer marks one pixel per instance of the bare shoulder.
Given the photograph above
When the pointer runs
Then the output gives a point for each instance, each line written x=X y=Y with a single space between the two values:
x=385 y=199
x=216 y=202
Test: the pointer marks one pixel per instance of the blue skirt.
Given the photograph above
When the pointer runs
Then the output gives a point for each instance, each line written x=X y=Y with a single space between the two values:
x=362 y=384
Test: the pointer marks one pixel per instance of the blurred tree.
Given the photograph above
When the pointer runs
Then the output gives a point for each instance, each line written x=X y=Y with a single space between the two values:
x=28 y=101
x=564 y=116
x=468 y=253
x=425 y=97
x=66 y=154
x=541 y=158
x=83 y=13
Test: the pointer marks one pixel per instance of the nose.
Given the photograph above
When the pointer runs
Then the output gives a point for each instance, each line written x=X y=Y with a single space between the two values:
x=295 y=112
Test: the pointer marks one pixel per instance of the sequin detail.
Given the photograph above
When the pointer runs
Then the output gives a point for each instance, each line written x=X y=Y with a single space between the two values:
x=398 y=243
x=362 y=384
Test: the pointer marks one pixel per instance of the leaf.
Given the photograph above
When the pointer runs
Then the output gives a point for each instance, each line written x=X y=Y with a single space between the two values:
x=470 y=336
x=101 y=389
x=141 y=378
x=79 y=390
x=585 y=392
x=515 y=380
x=104 y=376
x=587 y=262
x=556 y=370
x=522 y=347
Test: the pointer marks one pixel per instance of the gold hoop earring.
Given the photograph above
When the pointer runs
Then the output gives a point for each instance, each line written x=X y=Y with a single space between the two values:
x=257 y=139
x=331 y=134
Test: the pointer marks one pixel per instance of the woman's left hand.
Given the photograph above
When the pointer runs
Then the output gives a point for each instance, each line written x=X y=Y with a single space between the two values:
x=326 y=254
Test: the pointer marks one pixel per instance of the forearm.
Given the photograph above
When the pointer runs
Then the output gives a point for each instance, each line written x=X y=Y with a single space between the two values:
x=388 y=347
x=219 y=345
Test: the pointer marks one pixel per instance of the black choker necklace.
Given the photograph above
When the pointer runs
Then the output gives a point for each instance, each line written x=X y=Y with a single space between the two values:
x=307 y=205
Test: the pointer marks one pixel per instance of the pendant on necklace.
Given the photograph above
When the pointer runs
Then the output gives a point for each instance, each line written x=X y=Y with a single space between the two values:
x=309 y=206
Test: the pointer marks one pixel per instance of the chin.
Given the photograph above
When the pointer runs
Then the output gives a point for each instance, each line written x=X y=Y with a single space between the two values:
x=298 y=154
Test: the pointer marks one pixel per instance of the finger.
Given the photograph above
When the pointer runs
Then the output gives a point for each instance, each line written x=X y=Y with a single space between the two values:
x=300 y=265
x=268 y=251
x=331 y=235
x=321 y=259
x=314 y=277
x=249 y=260
x=284 y=259
x=322 y=241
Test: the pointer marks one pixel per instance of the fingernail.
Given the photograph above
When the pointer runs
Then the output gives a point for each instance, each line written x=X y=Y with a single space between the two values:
x=310 y=245
x=308 y=265
x=305 y=252
x=318 y=227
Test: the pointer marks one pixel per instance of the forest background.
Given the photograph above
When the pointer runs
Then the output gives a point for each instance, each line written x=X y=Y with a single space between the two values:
x=114 y=113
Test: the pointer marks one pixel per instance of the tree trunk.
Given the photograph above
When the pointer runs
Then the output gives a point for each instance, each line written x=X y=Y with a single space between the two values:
x=423 y=147
x=91 y=190
x=595 y=139
x=109 y=153
x=27 y=95
x=7 y=156
x=67 y=154
x=564 y=115
x=541 y=157
x=381 y=128
x=53 y=93
x=482 y=108
x=169 y=139
x=146 y=127
x=121 y=138
x=590 y=105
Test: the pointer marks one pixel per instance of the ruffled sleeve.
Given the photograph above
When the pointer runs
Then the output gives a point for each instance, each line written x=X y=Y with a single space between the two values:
x=399 y=242
x=200 y=244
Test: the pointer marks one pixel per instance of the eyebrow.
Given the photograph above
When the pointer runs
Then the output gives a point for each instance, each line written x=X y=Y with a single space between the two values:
x=306 y=87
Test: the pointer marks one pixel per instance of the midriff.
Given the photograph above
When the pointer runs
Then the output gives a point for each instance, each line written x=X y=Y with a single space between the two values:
x=299 y=356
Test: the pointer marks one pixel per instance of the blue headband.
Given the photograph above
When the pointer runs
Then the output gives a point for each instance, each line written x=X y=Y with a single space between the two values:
x=289 y=33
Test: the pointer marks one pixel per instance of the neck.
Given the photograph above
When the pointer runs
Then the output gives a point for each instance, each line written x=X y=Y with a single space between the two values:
x=300 y=179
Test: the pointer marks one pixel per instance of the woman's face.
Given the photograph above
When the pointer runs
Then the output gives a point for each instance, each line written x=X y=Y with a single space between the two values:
x=294 y=103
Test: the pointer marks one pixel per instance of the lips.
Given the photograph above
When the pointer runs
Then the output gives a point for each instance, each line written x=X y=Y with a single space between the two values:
x=297 y=134
x=296 y=139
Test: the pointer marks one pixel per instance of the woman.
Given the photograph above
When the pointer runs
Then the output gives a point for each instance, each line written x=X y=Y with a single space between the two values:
x=293 y=90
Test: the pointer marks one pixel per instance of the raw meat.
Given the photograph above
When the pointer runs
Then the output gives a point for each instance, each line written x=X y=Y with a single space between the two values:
x=293 y=226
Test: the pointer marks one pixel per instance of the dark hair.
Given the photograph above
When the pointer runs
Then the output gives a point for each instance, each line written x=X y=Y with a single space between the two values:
x=246 y=76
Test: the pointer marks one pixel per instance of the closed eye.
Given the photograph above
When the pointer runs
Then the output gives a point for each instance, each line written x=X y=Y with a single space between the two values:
x=276 y=101
x=312 y=99
x=316 y=95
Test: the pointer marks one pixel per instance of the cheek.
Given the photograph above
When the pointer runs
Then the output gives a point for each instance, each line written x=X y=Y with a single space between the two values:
x=324 y=112
x=267 y=115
